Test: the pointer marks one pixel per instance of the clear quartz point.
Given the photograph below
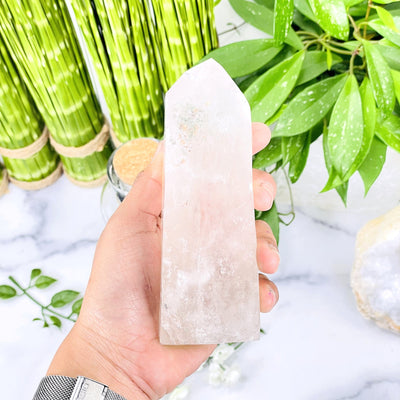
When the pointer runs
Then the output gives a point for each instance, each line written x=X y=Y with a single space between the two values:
x=209 y=283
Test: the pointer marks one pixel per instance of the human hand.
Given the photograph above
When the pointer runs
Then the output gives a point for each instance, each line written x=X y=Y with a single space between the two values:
x=115 y=340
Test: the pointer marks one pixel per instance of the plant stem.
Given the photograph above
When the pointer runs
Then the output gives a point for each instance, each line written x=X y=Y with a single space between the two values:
x=366 y=18
x=235 y=28
x=309 y=43
x=353 y=56
x=334 y=49
x=306 y=33
x=353 y=23
x=25 y=292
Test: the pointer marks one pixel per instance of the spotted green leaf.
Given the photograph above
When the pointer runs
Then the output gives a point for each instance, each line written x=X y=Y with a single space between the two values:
x=381 y=79
x=266 y=3
x=276 y=116
x=60 y=299
x=270 y=90
x=389 y=132
x=385 y=1
x=304 y=7
x=309 y=107
x=373 y=163
x=291 y=145
x=6 y=292
x=351 y=3
x=334 y=181
x=283 y=16
x=386 y=18
x=369 y=119
x=396 y=82
x=342 y=191
x=359 y=10
x=369 y=122
x=346 y=127
x=262 y=18
x=314 y=64
x=245 y=57
x=270 y=155
x=391 y=54
x=385 y=31
x=305 y=23
x=298 y=162
x=332 y=17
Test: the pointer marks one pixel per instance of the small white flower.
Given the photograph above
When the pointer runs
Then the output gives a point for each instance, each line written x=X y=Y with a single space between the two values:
x=215 y=374
x=222 y=353
x=179 y=393
x=232 y=375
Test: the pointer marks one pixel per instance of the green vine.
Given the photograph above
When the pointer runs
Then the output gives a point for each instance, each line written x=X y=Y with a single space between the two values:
x=49 y=314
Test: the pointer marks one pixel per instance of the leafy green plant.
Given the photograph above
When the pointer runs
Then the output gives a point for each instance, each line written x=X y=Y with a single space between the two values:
x=332 y=69
x=50 y=314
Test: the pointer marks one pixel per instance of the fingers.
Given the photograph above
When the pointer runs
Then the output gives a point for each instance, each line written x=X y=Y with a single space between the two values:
x=268 y=262
x=269 y=294
x=261 y=136
x=264 y=188
x=267 y=251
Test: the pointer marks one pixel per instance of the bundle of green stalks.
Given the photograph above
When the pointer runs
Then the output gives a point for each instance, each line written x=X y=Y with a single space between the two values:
x=118 y=37
x=184 y=33
x=141 y=47
x=40 y=37
x=21 y=125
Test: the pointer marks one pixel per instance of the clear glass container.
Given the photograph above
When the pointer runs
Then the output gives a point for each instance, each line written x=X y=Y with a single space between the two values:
x=116 y=188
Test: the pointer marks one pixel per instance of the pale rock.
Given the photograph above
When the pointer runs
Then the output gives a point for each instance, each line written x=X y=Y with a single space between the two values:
x=209 y=284
x=376 y=273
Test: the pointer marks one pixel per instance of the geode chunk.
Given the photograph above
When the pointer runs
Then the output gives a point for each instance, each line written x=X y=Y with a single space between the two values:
x=376 y=273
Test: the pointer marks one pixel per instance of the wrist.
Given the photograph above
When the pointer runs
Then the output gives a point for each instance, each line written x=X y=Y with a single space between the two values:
x=79 y=355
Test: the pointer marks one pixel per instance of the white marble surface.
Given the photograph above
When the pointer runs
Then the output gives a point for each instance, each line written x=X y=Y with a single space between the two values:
x=317 y=346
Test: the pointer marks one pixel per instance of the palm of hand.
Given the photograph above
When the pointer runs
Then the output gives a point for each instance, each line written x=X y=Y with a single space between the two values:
x=131 y=330
x=115 y=339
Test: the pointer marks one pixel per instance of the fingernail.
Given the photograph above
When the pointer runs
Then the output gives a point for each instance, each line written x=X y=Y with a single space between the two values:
x=268 y=194
x=275 y=249
x=157 y=160
x=272 y=296
x=159 y=150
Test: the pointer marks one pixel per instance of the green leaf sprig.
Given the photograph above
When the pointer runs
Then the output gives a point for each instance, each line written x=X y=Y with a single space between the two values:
x=332 y=69
x=50 y=315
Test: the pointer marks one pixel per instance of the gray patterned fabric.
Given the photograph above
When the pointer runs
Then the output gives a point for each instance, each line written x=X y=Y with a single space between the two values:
x=56 y=387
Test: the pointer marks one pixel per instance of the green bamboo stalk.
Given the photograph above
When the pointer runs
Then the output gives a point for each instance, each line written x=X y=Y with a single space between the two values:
x=119 y=41
x=21 y=125
x=34 y=168
x=40 y=37
x=184 y=33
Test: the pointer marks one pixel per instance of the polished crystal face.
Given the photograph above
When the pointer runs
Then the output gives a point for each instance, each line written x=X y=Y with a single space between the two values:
x=209 y=286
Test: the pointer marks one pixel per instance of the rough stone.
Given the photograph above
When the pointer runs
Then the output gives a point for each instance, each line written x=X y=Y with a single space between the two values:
x=376 y=273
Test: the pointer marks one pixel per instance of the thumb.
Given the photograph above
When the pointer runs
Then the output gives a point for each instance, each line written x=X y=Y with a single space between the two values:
x=145 y=197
